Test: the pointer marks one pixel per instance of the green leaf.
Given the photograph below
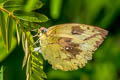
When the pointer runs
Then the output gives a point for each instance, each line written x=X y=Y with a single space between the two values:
x=37 y=75
x=25 y=48
x=30 y=25
x=38 y=72
x=13 y=5
x=3 y=49
x=33 y=5
x=34 y=70
x=20 y=5
x=23 y=40
x=28 y=71
x=2 y=25
x=36 y=67
x=30 y=16
x=18 y=32
x=26 y=52
x=23 y=45
x=9 y=31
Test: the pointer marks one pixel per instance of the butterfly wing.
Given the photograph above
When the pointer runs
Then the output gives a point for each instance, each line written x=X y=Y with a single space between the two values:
x=68 y=46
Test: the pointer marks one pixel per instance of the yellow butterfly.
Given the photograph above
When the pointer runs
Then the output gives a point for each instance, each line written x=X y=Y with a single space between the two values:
x=69 y=46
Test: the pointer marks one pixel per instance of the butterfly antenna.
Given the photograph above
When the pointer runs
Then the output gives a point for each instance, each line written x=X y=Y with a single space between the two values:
x=34 y=30
x=35 y=35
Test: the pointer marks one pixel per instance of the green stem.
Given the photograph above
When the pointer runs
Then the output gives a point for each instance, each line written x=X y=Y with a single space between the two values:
x=10 y=13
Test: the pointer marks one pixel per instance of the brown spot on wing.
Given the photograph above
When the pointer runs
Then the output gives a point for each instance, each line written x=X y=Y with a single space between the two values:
x=98 y=43
x=69 y=46
x=94 y=35
x=88 y=28
x=73 y=50
x=74 y=44
x=63 y=41
x=103 y=32
x=76 y=30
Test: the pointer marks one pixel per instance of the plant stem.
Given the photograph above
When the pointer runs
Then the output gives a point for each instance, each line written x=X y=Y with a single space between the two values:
x=10 y=13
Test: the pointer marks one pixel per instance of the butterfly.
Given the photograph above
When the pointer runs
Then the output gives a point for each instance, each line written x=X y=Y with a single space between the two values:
x=69 y=46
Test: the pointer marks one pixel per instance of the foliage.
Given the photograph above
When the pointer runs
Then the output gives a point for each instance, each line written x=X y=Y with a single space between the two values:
x=20 y=17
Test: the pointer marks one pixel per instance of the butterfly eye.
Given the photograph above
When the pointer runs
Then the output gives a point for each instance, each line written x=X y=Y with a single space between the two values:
x=43 y=30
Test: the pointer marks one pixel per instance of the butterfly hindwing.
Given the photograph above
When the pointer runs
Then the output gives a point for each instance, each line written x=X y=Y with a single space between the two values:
x=68 y=46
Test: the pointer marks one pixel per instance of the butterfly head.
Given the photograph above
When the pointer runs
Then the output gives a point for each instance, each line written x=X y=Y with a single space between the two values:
x=42 y=30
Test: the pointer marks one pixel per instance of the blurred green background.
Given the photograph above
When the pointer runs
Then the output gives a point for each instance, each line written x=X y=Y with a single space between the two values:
x=106 y=60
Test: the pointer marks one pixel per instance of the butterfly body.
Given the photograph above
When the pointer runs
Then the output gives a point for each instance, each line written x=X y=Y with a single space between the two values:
x=69 y=46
